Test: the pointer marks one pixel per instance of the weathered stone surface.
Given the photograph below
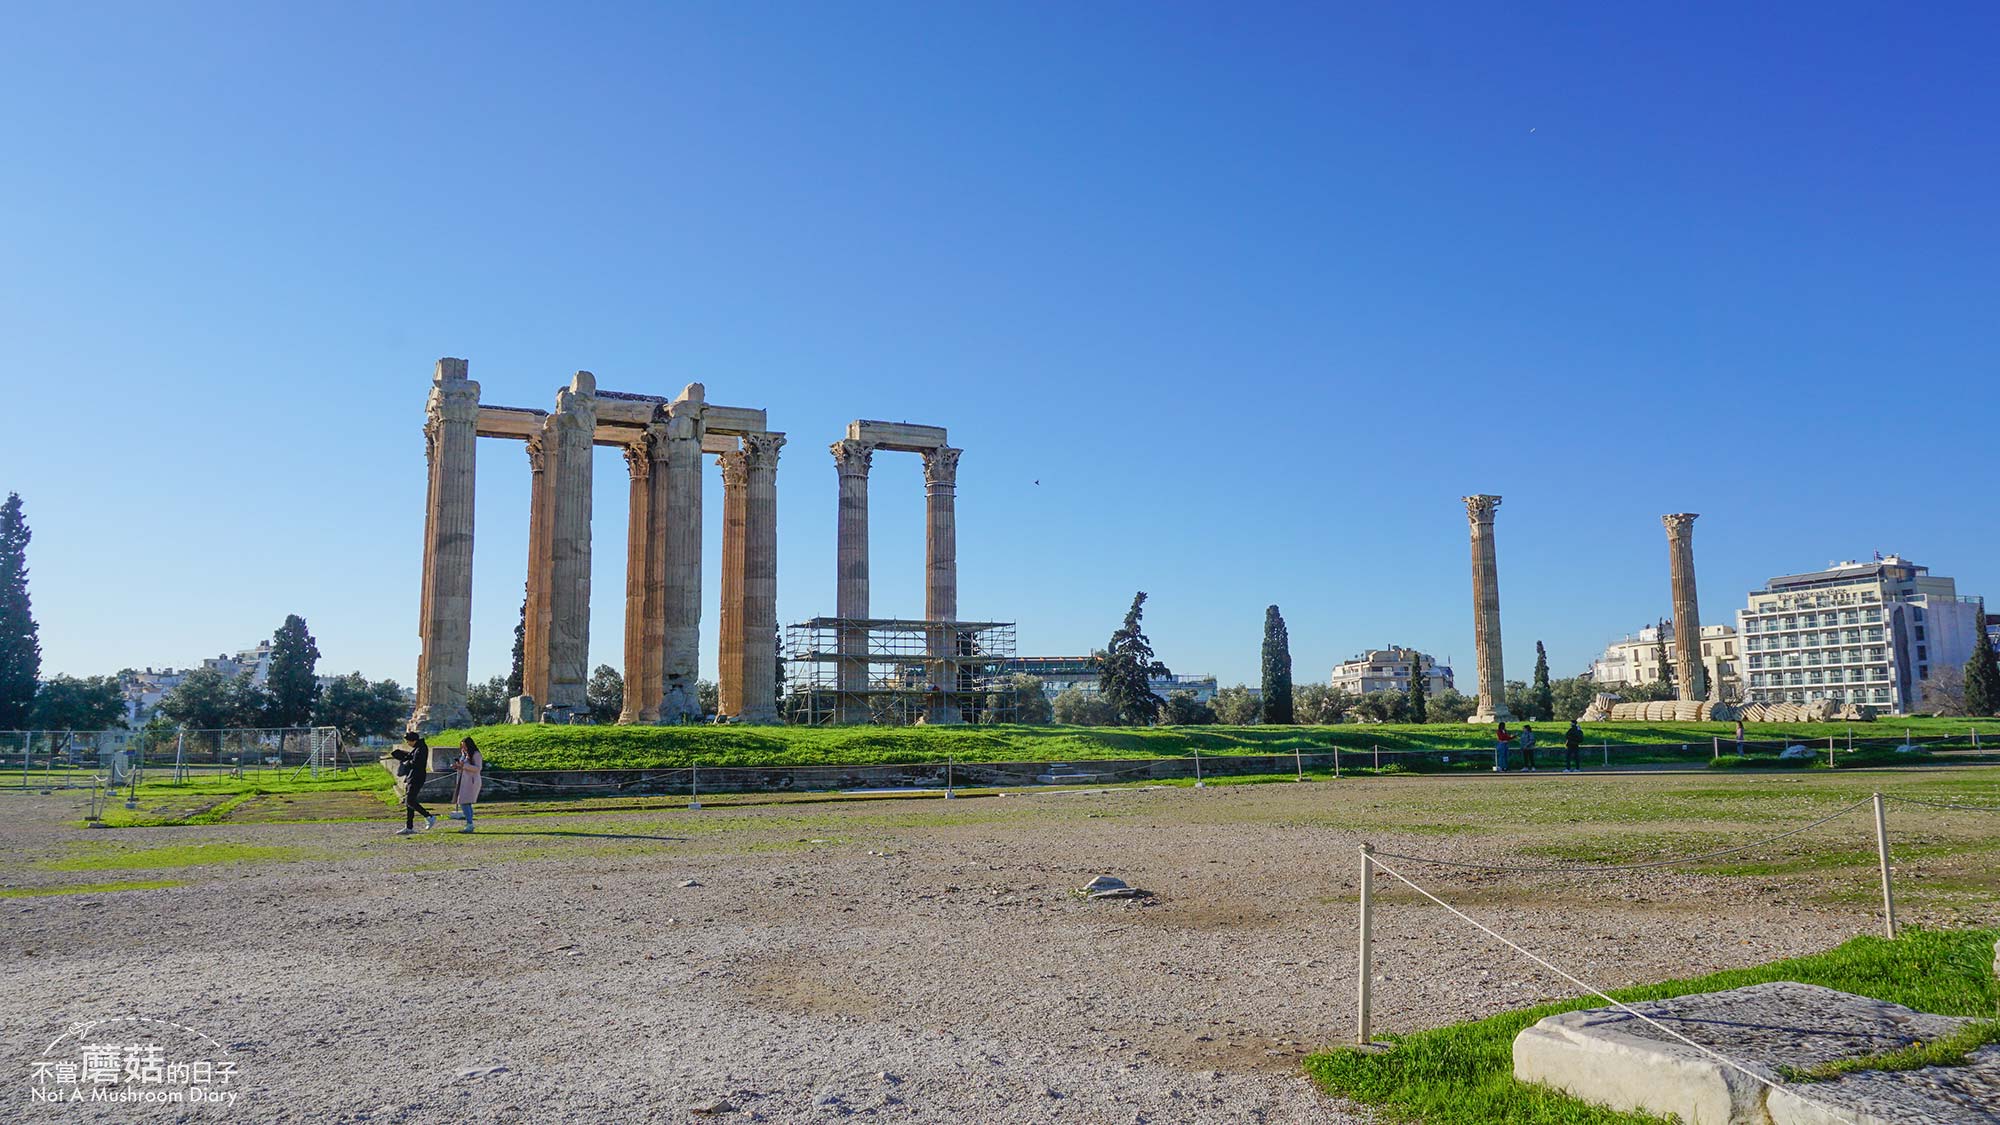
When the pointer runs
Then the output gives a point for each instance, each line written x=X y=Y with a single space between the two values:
x=444 y=625
x=735 y=537
x=1607 y=1056
x=1958 y=1095
x=1689 y=671
x=1492 y=706
x=759 y=697
x=575 y=421
x=852 y=460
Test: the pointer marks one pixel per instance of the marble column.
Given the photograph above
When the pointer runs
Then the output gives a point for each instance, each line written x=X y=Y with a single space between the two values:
x=851 y=461
x=1486 y=611
x=535 y=616
x=760 y=578
x=645 y=589
x=575 y=425
x=1690 y=672
x=729 y=626
x=445 y=614
x=679 y=440
x=941 y=570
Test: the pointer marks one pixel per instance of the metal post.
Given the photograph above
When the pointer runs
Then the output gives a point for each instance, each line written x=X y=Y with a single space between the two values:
x=1198 y=782
x=1336 y=761
x=948 y=795
x=1378 y=757
x=694 y=787
x=1715 y=751
x=1829 y=751
x=1364 y=995
x=1299 y=763
x=1607 y=755
x=1882 y=853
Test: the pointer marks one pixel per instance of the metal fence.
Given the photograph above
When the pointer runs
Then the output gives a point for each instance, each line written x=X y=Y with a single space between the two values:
x=70 y=759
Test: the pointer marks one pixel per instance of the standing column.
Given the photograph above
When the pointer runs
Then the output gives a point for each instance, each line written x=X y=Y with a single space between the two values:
x=445 y=616
x=851 y=461
x=760 y=578
x=679 y=440
x=1690 y=672
x=729 y=645
x=535 y=612
x=642 y=688
x=1486 y=611
x=575 y=425
x=941 y=572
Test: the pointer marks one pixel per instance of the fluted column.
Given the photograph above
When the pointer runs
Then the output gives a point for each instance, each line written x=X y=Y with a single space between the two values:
x=729 y=626
x=679 y=440
x=851 y=461
x=941 y=570
x=1690 y=673
x=445 y=615
x=644 y=590
x=760 y=578
x=575 y=425
x=535 y=617
x=1486 y=611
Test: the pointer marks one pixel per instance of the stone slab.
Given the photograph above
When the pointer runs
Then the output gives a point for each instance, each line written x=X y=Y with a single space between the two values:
x=1608 y=1056
x=1969 y=1095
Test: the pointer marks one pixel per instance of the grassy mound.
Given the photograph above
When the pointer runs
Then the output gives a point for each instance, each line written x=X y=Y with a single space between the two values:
x=1464 y=1074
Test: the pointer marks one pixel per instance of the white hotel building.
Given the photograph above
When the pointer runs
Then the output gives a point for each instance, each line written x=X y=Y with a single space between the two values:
x=1866 y=633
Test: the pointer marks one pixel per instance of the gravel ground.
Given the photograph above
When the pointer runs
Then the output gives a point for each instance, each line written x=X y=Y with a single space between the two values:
x=913 y=960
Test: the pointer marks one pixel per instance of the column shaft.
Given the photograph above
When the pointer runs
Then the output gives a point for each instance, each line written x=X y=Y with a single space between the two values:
x=680 y=699
x=1492 y=706
x=941 y=574
x=642 y=632
x=729 y=628
x=851 y=460
x=535 y=619
x=760 y=578
x=575 y=421
x=445 y=625
x=1690 y=672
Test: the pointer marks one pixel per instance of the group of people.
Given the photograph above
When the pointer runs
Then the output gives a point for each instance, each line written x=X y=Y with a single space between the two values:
x=1572 y=747
x=415 y=770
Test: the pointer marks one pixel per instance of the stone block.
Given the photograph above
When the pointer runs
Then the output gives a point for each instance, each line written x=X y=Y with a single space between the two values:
x=1612 y=1058
x=521 y=709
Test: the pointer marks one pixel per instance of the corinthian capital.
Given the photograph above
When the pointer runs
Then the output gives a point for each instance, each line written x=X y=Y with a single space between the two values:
x=453 y=398
x=852 y=458
x=1680 y=525
x=537 y=454
x=760 y=451
x=1480 y=508
x=941 y=467
x=735 y=473
x=639 y=458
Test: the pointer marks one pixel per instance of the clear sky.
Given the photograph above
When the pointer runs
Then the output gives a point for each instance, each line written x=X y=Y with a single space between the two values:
x=1228 y=303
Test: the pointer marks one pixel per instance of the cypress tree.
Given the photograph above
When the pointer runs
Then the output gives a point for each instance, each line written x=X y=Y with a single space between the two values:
x=20 y=644
x=1277 y=668
x=520 y=650
x=1544 y=692
x=1127 y=668
x=1982 y=674
x=1660 y=652
x=1419 y=692
x=293 y=686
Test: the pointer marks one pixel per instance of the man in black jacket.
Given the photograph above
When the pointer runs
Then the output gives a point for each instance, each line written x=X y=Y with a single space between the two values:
x=416 y=759
x=1573 y=748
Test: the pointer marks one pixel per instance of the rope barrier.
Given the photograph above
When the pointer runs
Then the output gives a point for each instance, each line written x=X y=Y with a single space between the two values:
x=1530 y=870
x=1596 y=991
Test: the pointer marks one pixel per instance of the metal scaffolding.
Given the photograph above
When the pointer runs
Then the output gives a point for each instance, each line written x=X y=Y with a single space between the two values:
x=897 y=672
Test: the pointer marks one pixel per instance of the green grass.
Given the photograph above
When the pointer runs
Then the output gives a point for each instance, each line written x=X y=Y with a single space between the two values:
x=588 y=747
x=210 y=799
x=1952 y=1050
x=1463 y=1074
x=88 y=888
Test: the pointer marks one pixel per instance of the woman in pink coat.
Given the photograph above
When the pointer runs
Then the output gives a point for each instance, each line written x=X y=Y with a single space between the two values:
x=468 y=766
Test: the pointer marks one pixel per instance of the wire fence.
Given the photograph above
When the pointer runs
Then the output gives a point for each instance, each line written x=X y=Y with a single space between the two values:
x=68 y=759
x=1373 y=861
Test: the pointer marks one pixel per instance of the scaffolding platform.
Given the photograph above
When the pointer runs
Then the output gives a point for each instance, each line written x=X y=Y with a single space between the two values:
x=896 y=671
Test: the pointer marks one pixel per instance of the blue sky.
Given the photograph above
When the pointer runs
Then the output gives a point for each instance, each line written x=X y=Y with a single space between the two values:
x=1255 y=293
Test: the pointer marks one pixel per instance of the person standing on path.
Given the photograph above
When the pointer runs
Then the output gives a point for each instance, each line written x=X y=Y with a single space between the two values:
x=465 y=791
x=1739 y=738
x=1573 y=748
x=1501 y=738
x=1528 y=747
x=416 y=759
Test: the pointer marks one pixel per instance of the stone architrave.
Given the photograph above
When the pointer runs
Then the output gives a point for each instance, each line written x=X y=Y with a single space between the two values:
x=1492 y=707
x=729 y=626
x=759 y=699
x=535 y=605
x=1689 y=671
x=575 y=423
x=679 y=437
x=644 y=589
x=941 y=570
x=851 y=461
x=445 y=616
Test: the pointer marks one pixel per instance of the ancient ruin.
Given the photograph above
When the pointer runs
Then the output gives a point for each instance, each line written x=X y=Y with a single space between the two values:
x=1486 y=611
x=664 y=441
x=1689 y=671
